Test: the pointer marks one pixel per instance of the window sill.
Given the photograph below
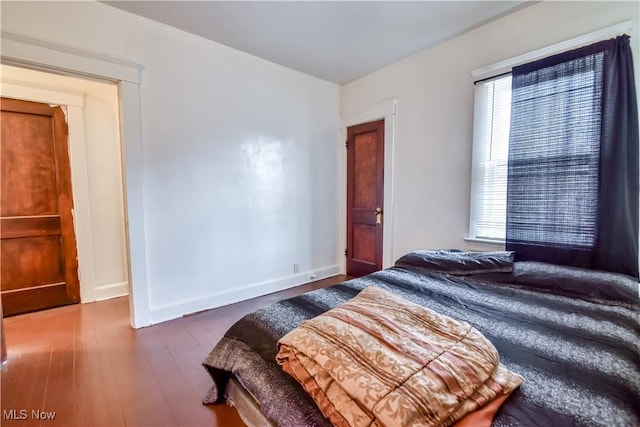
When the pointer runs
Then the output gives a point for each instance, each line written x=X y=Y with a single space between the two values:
x=485 y=243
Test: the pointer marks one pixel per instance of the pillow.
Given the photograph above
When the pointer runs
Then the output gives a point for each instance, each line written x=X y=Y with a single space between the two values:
x=590 y=285
x=458 y=263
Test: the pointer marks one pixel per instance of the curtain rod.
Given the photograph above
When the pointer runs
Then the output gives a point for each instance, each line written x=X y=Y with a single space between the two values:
x=502 y=67
x=496 y=77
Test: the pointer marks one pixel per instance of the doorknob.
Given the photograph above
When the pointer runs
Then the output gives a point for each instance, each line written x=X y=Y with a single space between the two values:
x=378 y=212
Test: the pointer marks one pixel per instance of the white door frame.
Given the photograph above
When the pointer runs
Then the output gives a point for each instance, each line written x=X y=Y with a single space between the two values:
x=36 y=54
x=386 y=110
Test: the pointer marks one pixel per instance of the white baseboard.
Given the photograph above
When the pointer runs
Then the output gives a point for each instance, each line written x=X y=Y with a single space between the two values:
x=162 y=313
x=112 y=290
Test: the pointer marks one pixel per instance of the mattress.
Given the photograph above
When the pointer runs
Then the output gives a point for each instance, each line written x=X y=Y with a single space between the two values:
x=571 y=334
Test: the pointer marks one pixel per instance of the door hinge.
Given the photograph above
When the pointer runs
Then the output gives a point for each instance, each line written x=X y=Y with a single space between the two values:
x=346 y=143
x=345 y=252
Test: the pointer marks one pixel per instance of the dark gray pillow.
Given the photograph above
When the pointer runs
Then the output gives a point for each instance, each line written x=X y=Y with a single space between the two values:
x=457 y=263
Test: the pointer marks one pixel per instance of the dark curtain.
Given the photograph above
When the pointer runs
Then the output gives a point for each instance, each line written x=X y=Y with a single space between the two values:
x=572 y=194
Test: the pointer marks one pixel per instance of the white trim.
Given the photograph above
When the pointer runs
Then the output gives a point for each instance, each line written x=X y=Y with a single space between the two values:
x=133 y=167
x=81 y=202
x=484 y=244
x=22 y=50
x=373 y=112
x=112 y=290
x=173 y=310
x=386 y=110
x=595 y=36
x=39 y=54
x=40 y=93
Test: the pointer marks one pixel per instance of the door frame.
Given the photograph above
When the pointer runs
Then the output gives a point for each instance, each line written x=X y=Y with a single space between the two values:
x=42 y=55
x=386 y=110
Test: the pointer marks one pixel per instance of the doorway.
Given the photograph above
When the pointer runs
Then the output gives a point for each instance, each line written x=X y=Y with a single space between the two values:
x=45 y=55
x=365 y=198
x=91 y=108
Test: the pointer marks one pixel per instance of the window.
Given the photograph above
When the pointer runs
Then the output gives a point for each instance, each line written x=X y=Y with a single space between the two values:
x=555 y=159
x=490 y=152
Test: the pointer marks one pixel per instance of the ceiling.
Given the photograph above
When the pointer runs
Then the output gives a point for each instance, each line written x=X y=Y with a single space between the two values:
x=338 y=41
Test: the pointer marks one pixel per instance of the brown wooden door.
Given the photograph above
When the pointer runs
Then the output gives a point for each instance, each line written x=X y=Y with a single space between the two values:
x=365 y=197
x=39 y=266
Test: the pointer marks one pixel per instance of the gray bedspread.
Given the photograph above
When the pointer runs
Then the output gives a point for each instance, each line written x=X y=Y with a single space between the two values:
x=573 y=335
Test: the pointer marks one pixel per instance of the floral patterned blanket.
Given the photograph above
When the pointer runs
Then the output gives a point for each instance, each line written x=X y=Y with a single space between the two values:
x=380 y=360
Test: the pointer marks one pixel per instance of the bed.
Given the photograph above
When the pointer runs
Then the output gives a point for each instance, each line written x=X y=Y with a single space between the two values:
x=572 y=334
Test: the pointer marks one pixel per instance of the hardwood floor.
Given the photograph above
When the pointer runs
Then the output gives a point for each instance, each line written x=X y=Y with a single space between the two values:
x=85 y=364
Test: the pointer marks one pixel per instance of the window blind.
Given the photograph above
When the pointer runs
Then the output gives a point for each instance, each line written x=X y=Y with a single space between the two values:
x=490 y=154
x=555 y=143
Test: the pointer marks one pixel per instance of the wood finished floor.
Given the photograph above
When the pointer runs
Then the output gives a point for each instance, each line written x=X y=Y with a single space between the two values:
x=86 y=364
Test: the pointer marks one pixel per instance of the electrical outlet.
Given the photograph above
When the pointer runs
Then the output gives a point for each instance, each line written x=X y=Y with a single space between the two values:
x=296 y=268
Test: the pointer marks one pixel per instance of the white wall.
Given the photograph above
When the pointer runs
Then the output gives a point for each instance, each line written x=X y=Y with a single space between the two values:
x=434 y=89
x=98 y=162
x=239 y=167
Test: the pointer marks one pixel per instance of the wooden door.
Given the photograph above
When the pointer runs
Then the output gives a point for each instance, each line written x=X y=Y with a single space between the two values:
x=365 y=197
x=39 y=266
